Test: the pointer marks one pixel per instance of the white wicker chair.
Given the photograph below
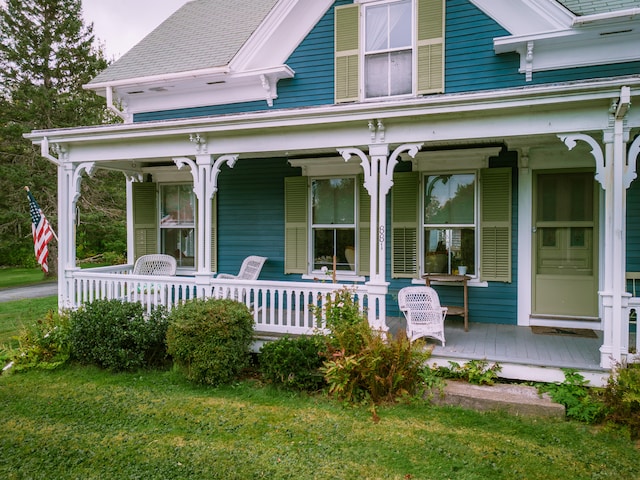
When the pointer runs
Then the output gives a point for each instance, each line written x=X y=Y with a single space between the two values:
x=425 y=316
x=155 y=264
x=249 y=270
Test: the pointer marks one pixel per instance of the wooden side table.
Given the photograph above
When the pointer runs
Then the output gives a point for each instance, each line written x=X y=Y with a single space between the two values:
x=453 y=310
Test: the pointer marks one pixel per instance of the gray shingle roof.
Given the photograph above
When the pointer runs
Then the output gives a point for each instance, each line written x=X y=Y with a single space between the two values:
x=191 y=39
x=591 y=7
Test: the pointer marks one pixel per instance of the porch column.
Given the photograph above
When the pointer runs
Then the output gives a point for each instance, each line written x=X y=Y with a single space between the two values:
x=615 y=176
x=66 y=234
x=205 y=173
x=69 y=180
x=378 y=180
x=377 y=289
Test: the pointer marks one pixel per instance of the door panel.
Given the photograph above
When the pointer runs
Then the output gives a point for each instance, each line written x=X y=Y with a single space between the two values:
x=565 y=253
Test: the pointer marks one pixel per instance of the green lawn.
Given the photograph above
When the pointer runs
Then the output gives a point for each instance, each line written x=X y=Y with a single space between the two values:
x=15 y=277
x=81 y=422
x=14 y=315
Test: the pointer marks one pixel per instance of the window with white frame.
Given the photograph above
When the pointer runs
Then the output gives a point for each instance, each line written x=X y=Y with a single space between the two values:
x=388 y=52
x=177 y=223
x=450 y=223
x=333 y=224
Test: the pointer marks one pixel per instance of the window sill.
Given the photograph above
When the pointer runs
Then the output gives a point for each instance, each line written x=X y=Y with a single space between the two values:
x=339 y=278
x=473 y=282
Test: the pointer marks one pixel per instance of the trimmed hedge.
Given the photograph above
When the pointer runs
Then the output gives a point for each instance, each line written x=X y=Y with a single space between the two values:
x=294 y=363
x=118 y=335
x=209 y=340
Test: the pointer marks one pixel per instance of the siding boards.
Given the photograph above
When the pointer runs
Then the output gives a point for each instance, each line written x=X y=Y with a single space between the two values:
x=471 y=64
x=251 y=215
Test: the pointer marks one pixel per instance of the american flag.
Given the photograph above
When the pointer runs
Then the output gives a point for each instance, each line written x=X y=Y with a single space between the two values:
x=42 y=232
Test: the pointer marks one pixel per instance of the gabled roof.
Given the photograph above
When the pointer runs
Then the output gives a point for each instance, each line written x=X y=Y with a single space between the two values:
x=189 y=39
x=210 y=52
x=593 y=7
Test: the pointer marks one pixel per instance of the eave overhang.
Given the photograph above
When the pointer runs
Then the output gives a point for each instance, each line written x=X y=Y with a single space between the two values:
x=213 y=86
x=320 y=127
x=589 y=40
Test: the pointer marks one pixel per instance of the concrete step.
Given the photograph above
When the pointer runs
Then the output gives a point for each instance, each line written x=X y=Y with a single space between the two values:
x=514 y=399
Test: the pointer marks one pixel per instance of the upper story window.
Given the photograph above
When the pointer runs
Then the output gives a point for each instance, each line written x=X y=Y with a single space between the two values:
x=389 y=48
x=177 y=223
x=388 y=55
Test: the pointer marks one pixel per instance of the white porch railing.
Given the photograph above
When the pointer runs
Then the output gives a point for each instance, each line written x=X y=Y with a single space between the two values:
x=277 y=307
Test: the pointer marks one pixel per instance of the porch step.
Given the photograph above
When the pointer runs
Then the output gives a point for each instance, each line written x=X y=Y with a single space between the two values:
x=513 y=399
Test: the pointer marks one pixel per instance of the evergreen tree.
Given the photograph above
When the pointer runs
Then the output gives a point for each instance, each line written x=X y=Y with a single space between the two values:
x=46 y=54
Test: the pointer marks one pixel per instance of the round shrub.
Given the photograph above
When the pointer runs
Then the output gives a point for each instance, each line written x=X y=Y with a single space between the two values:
x=209 y=340
x=294 y=363
x=118 y=335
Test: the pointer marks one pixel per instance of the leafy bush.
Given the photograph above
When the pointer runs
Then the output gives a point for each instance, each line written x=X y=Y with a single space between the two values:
x=580 y=400
x=118 y=335
x=364 y=364
x=209 y=339
x=44 y=345
x=622 y=397
x=476 y=372
x=294 y=363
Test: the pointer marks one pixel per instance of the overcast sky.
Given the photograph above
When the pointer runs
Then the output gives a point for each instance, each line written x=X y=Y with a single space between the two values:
x=120 y=24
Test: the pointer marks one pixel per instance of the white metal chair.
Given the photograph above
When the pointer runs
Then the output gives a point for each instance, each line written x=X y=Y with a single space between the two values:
x=425 y=316
x=155 y=264
x=249 y=270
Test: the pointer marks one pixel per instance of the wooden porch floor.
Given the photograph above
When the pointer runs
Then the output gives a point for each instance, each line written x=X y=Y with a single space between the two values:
x=523 y=355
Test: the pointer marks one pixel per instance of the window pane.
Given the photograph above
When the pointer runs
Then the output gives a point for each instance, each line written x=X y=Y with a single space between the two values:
x=180 y=243
x=400 y=24
x=450 y=199
x=436 y=253
x=328 y=242
x=447 y=249
x=400 y=73
x=333 y=201
x=177 y=205
x=376 y=28
x=565 y=197
x=388 y=26
x=376 y=75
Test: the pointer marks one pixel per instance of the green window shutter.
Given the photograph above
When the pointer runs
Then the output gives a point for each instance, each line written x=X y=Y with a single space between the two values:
x=296 y=225
x=214 y=233
x=430 y=46
x=404 y=224
x=145 y=218
x=495 y=224
x=364 y=229
x=347 y=67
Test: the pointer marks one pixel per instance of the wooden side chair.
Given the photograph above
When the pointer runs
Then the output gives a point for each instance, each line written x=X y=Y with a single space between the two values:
x=425 y=316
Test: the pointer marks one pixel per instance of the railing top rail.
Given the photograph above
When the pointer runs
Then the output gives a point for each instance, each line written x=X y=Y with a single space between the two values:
x=107 y=273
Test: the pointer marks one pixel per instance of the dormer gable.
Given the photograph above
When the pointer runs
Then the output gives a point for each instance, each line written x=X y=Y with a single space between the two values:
x=553 y=35
x=193 y=59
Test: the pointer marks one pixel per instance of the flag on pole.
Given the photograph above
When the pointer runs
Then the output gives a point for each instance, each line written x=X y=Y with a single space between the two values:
x=42 y=232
